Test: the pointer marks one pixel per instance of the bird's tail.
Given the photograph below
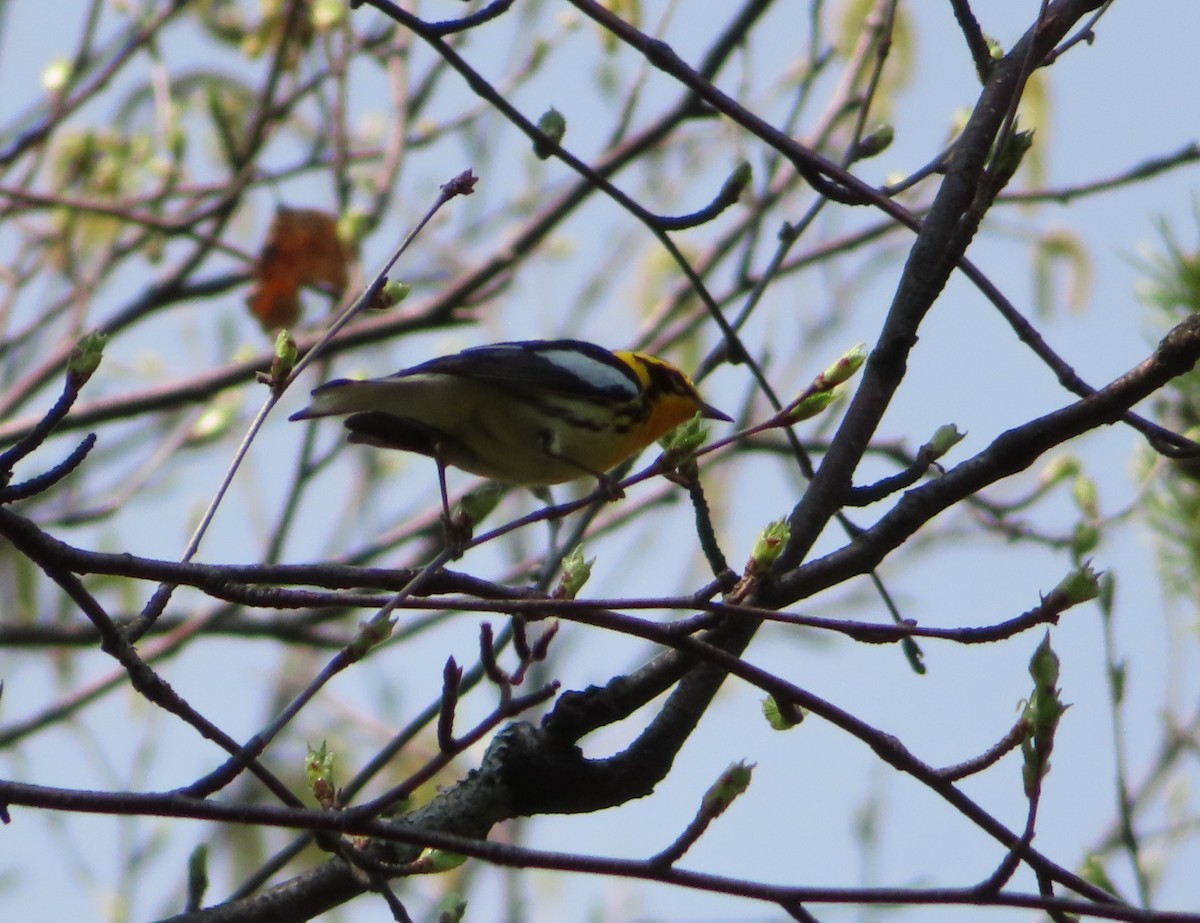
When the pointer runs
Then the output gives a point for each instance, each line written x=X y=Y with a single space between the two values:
x=347 y=395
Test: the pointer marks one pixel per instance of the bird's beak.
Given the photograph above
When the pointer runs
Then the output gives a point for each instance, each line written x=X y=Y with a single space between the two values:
x=709 y=412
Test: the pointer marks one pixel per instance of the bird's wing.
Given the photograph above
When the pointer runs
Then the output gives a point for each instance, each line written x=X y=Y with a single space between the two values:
x=560 y=367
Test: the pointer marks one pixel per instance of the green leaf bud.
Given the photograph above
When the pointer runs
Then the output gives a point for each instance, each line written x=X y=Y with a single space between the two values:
x=944 y=438
x=392 y=293
x=575 y=573
x=768 y=545
x=846 y=365
x=325 y=15
x=737 y=183
x=731 y=783
x=85 y=358
x=477 y=504
x=1059 y=469
x=285 y=355
x=371 y=633
x=318 y=771
x=440 y=860
x=875 y=142
x=553 y=126
x=1079 y=586
x=1044 y=666
x=811 y=405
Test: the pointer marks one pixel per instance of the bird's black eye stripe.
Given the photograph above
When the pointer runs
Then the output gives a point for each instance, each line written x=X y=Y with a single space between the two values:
x=665 y=380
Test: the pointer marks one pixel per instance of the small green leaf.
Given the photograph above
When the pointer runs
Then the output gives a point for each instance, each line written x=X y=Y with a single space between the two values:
x=1061 y=263
x=452 y=908
x=55 y=75
x=217 y=419
x=197 y=876
x=685 y=438
x=1060 y=468
x=1086 y=496
x=781 y=718
x=914 y=655
x=353 y=224
x=1007 y=160
x=1117 y=674
x=1093 y=871
x=1084 y=539
x=1108 y=591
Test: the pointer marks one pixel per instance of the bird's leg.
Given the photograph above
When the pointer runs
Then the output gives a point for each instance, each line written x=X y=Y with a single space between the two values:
x=609 y=488
x=457 y=531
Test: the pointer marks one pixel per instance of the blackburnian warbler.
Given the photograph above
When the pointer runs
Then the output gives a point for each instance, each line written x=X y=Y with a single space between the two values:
x=532 y=413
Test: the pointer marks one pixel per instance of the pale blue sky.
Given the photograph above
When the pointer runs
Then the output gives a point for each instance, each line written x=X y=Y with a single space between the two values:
x=1128 y=97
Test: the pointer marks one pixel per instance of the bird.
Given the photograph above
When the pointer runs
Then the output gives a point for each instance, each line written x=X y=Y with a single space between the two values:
x=532 y=413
